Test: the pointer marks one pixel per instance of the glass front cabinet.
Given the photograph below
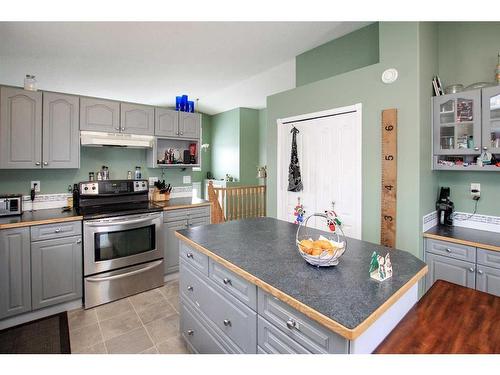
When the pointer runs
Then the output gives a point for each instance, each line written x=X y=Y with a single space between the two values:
x=465 y=126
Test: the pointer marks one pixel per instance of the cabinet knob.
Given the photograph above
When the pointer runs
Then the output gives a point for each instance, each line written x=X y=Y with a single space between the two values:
x=37 y=163
x=190 y=332
x=117 y=129
x=448 y=250
x=471 y=269
x=480 y=272
x=45 y=163
x=189 y=255
x=79 y=241
x=291 y=324
x=190 y=288
x=176 y=133
x=227 y=323
x=476 y=148
x=485 y=148
x=57 y=230
x=122 y=129
x=226 y=281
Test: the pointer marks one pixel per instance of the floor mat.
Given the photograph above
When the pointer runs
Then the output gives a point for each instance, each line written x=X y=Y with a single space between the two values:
x=48 y=335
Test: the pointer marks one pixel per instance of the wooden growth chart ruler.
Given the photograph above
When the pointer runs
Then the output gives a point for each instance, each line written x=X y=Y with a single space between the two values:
x=389 y=177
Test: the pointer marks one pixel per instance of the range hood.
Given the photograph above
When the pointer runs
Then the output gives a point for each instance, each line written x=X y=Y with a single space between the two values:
x=101 y=139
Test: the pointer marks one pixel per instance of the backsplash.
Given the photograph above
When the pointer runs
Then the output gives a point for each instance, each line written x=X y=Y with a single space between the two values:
x=465 y=220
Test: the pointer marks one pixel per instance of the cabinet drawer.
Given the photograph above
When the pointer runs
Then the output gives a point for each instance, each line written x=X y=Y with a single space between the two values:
x=452 y=250
x=488 y=258
x=184 y=213
x=194 y=258
x=196 y=222
x=245 y=291
x=49 y=231
x=226 y=313
x=197 y=335
x=306 y=332
x=272 y=341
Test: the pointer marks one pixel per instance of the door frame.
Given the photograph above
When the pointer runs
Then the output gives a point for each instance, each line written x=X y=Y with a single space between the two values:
x=358 y=123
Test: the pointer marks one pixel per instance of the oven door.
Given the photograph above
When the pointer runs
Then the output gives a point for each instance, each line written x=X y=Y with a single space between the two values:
x=121 y=241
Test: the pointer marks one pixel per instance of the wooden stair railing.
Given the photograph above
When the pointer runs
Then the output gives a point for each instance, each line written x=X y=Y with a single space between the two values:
x=238 y=202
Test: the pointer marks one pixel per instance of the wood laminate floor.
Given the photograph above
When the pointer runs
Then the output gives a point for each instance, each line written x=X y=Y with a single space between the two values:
x=145 y=323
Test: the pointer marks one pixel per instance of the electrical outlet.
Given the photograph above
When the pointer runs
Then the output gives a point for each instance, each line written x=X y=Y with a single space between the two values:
x=186 y=179
x=37 y=186
x=475 y=190
x=152 y=181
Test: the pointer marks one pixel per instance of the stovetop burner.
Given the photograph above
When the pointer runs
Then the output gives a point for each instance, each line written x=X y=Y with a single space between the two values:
x=119 y=209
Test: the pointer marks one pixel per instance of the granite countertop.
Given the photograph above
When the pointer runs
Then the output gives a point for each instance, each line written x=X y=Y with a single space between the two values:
x=265 y=248
x=46 y=216
x=465 y=236
x=176 y=203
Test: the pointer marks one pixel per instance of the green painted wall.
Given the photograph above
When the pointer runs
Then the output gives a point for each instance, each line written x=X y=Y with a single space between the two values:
x=399 y=46
x=352 y=51
x=225 y=144
x=118 y=160
x=249 y=146
x=467 y=54
x=262 y=137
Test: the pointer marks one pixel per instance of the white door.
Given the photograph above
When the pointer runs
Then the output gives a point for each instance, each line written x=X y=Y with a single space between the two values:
x=329 y=148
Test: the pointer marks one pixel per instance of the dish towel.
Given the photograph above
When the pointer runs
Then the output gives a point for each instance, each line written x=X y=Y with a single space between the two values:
x=294 y=180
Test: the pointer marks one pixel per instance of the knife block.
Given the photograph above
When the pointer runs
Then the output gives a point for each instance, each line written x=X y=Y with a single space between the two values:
x=158 y=197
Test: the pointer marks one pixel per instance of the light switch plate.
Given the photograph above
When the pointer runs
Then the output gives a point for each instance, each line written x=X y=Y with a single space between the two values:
x=152 y=180
x=186 y=179
x=37 y=187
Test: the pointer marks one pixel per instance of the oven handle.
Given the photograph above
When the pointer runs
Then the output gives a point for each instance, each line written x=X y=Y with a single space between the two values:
x=126 y=274
x=119 y=222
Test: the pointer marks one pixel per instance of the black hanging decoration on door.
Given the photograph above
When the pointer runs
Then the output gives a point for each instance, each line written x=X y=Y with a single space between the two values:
x=294 y=179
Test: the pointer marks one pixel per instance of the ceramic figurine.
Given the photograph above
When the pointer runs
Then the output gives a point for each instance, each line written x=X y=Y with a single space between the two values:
x=380 y=267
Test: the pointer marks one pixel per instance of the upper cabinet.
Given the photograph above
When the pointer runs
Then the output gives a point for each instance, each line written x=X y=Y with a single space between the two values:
x=166 y=122
x=137 y=119
x=20 y=128
x=189 y=125
x=99 y=115
x=61 y=136
x=491 y=119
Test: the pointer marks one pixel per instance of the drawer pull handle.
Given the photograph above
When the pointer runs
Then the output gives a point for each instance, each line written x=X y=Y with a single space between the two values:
x=190 y=332
x=471 y=269
x=189 y=255
x=291 y=324
x=57 y=230
x=480 y=272
x=227 y=281
x=190 y=288
x=227 y=323
x=448 y=250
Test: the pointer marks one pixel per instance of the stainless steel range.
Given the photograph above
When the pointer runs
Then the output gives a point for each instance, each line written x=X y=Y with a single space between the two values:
x=123 y=244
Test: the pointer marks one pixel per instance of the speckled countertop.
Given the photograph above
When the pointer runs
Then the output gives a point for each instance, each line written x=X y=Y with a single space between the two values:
x=465 y=236
x=265 y=248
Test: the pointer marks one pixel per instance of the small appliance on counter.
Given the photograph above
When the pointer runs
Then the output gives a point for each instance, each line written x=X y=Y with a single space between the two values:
x=444 y=207
x=11 y=204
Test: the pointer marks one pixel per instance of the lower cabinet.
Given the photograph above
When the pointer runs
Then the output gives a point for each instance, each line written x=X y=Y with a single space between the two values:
x=15 y=272
x=488 y=280
x=56 y=268
x=450 y=269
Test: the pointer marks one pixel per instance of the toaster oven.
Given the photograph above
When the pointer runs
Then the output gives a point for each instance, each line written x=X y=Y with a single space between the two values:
x=11 y=204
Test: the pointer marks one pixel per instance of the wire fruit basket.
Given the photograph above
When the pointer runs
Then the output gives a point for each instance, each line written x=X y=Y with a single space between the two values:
x=326 y=250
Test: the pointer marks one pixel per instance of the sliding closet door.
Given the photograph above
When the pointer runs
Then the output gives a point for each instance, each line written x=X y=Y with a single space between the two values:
x=329 y=150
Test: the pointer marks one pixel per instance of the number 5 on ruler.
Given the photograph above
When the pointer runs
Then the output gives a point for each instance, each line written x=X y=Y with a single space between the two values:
x=389 y=177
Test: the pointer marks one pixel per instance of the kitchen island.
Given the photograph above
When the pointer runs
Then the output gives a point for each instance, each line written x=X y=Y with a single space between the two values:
x=244 y=288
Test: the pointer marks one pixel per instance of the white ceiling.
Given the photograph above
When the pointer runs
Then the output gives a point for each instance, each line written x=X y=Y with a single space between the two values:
x=224 y=64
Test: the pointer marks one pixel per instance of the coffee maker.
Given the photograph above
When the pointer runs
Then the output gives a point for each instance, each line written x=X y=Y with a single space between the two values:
x=444 y=207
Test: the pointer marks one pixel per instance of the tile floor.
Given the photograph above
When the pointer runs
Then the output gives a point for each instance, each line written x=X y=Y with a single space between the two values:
x=145 y=323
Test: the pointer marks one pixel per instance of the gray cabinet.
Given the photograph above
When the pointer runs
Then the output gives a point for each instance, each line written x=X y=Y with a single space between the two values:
x=15 y=272
x=56 y=267
x=20 y=128
x=189 y=125
x=449 y=269
x=488 y=280
x=166 y=122
x=137 y=119
x=171 y=254
x=491 y=119
x=99 y=115
x=61 y=136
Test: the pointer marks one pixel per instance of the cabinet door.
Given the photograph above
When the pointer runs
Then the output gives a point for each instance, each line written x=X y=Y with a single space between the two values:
x=20 y=128
x=61 y=136
x=56 y=271
x=166 y=122
x=171 y=253
x=137 y=119
x=491 y=119
x=457 y=123
x=449 y=269
x=15 y=276
x=99 y=115
x=189 y=125
x=488 y=280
